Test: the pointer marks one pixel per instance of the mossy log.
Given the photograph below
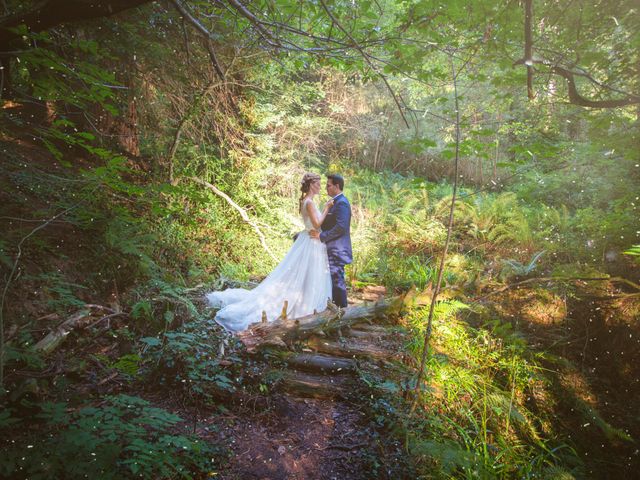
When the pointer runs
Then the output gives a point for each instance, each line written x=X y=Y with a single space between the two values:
x=283 y=331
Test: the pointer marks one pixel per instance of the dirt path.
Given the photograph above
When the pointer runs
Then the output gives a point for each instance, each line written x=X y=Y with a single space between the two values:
x=299 y=437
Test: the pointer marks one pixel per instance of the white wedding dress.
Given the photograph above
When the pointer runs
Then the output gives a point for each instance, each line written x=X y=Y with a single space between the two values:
x=302 y=278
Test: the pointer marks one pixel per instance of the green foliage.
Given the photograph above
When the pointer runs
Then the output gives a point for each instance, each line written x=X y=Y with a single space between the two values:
x=513 y=267
x=538 y=176
x=188 y=359
x=634 y=252
x=475 y=422
x=62 y=295
x=125 y=437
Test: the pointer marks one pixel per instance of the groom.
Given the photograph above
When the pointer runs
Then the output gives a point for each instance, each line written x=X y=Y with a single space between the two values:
x=336 y=234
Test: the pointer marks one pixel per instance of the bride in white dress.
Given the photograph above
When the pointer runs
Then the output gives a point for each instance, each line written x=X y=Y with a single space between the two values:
x=302 y=278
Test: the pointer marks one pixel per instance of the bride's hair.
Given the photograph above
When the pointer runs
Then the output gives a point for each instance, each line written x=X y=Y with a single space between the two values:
x=307 y=179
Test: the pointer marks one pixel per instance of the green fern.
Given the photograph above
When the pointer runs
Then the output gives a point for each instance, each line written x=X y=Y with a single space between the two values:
x=634 y=251
x=513 y=267
x=515 y=230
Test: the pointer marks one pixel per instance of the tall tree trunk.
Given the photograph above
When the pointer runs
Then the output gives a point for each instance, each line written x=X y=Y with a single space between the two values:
x=528 y=46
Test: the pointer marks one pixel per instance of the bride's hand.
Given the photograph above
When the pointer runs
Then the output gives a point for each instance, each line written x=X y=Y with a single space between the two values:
x=329 y=204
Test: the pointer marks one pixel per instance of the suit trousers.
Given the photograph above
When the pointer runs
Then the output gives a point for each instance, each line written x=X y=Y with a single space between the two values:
x=338 y=284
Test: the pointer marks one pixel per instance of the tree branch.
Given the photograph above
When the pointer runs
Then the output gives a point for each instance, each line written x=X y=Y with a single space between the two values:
x=436 y=290
x=240 y=210
x=366 y=58
x=13 y=271
x=574 y=96
x=50 y=13
x=242 y=10
x=204 y=31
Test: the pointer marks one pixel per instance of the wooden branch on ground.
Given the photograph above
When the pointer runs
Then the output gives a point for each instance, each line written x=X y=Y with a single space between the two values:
x=240 y=210
x=282 y=331
x=83 y=318
x=49 y=343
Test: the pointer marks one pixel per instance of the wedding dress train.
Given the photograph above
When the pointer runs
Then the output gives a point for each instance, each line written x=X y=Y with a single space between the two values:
x=302 y=278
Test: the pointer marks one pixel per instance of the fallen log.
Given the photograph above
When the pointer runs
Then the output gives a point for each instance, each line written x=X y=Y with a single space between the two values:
x=283 y=331
x=349 y=349
x=81 y=319
x=366 y=327
x=313 y=362
x=58 y=335
x=316 y=386
x=372 y=332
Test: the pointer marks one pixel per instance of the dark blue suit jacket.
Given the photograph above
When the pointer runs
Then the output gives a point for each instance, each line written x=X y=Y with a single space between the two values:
x=336 y=231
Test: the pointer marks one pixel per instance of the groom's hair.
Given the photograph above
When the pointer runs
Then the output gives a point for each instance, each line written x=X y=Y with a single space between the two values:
x=336 y=179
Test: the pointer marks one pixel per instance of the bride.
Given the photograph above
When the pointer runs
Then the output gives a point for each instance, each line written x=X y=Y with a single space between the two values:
x=302 y=278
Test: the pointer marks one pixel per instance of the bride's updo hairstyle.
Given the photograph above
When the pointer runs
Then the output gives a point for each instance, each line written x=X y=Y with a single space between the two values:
x=305 y=184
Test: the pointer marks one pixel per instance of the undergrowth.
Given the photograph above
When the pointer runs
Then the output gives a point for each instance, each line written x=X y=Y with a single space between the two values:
x=121 y=437
x=473 y=417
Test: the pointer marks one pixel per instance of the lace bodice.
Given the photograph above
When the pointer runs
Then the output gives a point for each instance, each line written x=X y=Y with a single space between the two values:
x=308 y=225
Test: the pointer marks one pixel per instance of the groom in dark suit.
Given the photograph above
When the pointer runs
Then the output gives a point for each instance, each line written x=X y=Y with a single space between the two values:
x=336 y=234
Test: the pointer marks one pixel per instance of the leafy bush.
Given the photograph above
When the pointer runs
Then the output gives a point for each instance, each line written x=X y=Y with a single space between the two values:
x=188 y=359
x=125 y=437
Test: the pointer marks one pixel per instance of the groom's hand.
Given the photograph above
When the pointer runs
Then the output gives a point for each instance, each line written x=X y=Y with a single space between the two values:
x=314 y=234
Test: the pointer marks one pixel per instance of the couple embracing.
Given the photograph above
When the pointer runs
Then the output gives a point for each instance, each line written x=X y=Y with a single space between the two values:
x=312 y=271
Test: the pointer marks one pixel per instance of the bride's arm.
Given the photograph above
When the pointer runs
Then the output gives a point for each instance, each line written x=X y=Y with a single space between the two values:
x=313 y=213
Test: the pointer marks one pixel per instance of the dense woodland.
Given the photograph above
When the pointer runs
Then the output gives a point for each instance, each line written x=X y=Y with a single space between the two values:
x=151 y=151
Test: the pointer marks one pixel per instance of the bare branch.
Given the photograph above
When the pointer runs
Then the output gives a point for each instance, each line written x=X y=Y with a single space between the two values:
x=239 y=209
x=436 y=289
x=365 y=56
x=242 y=10
x=204 y=31
x=574 y=96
